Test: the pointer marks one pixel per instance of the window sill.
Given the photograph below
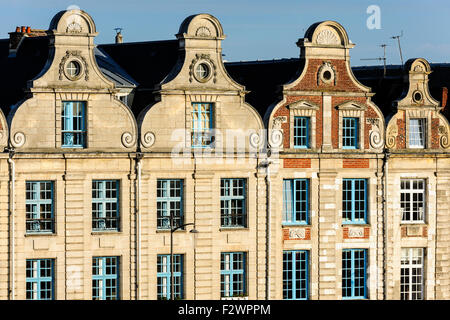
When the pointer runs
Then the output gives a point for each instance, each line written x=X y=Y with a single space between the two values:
x=168 y=231
x=232 y=228
x=413 y=223
x=299 y=224
x=101 y=232
x=234 y=298
x=355 y=224
x=40 y=234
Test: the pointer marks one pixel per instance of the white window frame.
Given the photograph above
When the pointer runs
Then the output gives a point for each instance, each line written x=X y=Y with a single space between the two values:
x=411 y=191
x=409 y=258
x=423 y=125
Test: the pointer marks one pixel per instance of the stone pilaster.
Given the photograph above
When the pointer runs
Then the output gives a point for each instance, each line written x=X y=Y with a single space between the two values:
x=328 y=257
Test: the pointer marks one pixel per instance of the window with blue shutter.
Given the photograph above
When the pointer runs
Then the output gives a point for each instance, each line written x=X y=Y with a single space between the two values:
x=40 y=279
x=163 y=276
x=354 y=201
x=295 y=201
x=296 y=275
x=301 y=132
x=350 y=133
x=73 y=128
x=354 y=275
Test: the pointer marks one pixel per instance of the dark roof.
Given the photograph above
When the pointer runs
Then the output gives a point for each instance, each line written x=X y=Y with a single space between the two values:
x=30 y=60
x=147 y=62
x=264 y=79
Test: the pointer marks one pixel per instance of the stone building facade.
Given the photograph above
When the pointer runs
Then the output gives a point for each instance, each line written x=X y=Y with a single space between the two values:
x=320 y=194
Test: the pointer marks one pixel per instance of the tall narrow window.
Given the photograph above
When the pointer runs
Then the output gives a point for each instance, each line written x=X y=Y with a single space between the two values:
x=295 y=201
x=417 y=133
x=295 y=275
x=350 y=133
x=105 y=205
x=354 y=201
x=169 y=193
x=411 y=285
x=412 y=200
x=105 y=278
x=232 y=203
x=354 y=273
x=39 y=206
x=233 y=274
x=73 y=124
x=201 y=124
x=163 y=275
x=301 y=132
x=40 y=279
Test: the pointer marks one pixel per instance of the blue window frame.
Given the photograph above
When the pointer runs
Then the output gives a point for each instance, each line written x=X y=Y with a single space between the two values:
x=105 y=278
x=40 y=279
x=39 y=207
x=354 y=265
x=202 y=123
x=354 y=201
x=233 y=276
x=295 y=201
x=295 y=275
x=105 y=205
x=233 y=203
x=169 y=200
x=350 y=133
x=163 y=276
x=73 y=124
x=301 y=132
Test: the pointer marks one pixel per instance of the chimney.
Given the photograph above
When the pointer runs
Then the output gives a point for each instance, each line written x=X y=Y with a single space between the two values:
x=445 y=107
x=119 y=37
x=15 y=38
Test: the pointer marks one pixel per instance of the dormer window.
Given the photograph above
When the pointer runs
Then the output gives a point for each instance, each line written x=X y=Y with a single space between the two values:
x=201 y=124
x=73 y=128
x=301 y=132
x=350 y=133
x=417 y=133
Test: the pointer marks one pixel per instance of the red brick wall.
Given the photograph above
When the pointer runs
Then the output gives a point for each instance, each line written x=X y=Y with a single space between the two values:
x=366 y=234
x=343 y=80
x=355 y=163
x=297 y=163
x=401 y=137
x=286 y=234
x=435 y=133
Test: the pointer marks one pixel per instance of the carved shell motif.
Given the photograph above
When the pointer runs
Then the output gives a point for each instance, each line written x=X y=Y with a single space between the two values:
x=203 y=32
x=327 y=36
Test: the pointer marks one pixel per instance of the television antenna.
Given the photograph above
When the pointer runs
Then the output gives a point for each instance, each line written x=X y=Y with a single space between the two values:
x=399 y=47
x=381 y=58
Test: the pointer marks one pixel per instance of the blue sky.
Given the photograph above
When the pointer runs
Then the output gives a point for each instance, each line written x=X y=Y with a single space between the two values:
x=259 y=29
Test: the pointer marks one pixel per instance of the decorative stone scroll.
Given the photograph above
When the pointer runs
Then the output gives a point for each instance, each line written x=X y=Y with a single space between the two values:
x=18 y=139
x=444 y=140
x=392 y=136
x=375 y=138
x=128 y=140
x=148 y=139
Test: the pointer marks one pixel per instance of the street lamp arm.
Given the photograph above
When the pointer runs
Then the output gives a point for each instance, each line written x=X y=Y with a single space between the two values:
x=179 y=227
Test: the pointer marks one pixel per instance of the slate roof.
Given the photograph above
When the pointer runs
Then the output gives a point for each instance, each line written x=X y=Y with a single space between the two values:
x=30 y=60
x=145 y=65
